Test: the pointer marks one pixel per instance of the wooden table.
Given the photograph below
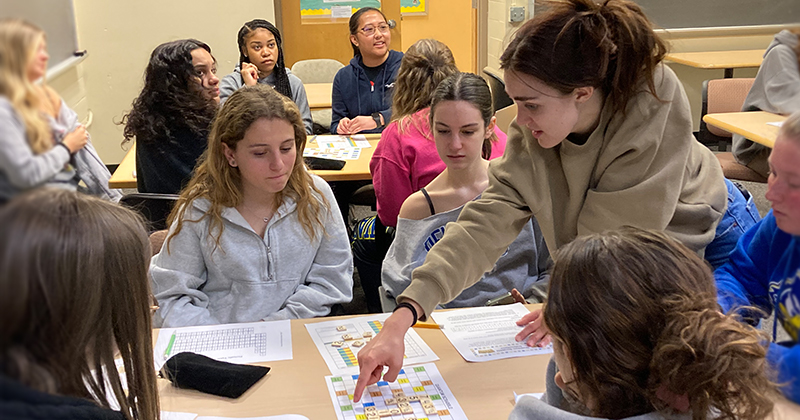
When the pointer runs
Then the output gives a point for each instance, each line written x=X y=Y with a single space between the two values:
x=752 y=125
x=354 y=170
x=727 y=60
x=484 y=390
x=319 y=95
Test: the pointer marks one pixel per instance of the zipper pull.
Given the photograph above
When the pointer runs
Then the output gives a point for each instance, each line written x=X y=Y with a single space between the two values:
x=371 y=86
x=269 y=261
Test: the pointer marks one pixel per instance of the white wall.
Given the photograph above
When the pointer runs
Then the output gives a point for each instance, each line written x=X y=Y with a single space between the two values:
x=120 y=35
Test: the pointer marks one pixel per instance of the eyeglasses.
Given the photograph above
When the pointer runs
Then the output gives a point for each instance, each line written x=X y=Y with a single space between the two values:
x=370 y=30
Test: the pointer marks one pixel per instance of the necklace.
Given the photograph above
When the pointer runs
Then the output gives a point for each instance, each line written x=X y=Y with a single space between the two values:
x=265 y=219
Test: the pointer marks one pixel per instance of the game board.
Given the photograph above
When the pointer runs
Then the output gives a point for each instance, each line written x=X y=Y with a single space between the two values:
x=419 y=393
x=339 y=342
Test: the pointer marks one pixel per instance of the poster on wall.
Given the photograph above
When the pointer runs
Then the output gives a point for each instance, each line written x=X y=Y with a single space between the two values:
x=343 y=8
x=413 y=7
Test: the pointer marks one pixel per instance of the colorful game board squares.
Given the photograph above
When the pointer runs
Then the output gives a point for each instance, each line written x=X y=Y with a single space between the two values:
x=419 y=389
x=341 y=393
x=375 y=394
x=348 y=357
x=426 y=383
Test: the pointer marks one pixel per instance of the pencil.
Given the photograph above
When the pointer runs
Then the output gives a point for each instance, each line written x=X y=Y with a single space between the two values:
x=428 y=325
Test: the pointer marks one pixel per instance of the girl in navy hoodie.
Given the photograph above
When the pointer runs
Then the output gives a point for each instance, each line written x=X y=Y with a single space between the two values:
x=362 y=91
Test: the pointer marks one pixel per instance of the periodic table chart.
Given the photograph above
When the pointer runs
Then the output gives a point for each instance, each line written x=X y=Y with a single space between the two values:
x=340 y=341
x=419 y=393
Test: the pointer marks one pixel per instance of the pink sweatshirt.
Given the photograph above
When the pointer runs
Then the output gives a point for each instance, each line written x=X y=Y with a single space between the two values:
x=404 y=163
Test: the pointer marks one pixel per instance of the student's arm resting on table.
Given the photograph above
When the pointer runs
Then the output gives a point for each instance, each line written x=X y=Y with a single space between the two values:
x=330 y=279
x=301 y=100
x=23 y=168
x=338 y=106
x=392 y=181
x=177 y=276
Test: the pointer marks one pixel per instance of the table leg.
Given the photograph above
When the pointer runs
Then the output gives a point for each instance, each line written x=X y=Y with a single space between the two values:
x=728 y=73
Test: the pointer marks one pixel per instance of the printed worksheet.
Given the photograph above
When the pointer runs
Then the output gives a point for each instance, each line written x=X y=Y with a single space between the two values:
x=419 y=392
x=170 y=415
x=339 y=342
x=235 y=343
x=340 y=154
x=487 y=333
x=333 y=141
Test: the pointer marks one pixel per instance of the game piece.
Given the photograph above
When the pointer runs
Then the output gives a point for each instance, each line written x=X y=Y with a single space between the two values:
x=413 y=398
x=384 y=413
x=395 y=411
x=367 y=334
x=347 y=337
x=390 y=401
x=397 y=391
x=341 y=328
x=357 y=343
x=337 y=343
x=406 y=409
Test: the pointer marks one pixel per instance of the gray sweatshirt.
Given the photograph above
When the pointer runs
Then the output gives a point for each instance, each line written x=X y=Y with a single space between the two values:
x=247 y=279
x=776 y=89
x=21 y=169
x=234 y=81
x=523 y=266
x=554 y=406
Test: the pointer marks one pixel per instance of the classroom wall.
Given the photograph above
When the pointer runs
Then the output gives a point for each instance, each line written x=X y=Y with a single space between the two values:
x=446 y=21
x=120 y=36
x=501 y=31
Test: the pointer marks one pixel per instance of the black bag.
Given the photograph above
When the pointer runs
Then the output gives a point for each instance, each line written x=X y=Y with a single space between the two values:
x=195 y=371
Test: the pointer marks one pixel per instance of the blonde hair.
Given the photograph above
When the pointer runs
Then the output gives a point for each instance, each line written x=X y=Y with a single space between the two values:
x=18 y=43
x=426 y=63
x=221 y=184
x=74 y=290
x=638 y=316
x=790 y=129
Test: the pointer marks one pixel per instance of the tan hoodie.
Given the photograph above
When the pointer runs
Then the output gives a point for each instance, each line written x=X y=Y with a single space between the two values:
x=642 y=169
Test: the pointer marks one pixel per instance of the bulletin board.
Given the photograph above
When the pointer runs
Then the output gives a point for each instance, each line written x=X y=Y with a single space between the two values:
x=322 y=8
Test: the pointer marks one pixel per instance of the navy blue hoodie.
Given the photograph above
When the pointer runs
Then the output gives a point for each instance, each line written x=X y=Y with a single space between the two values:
x=353 y=95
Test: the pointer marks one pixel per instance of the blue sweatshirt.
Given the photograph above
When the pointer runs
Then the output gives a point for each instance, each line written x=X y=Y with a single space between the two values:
x=354 y=95
x=763 y=271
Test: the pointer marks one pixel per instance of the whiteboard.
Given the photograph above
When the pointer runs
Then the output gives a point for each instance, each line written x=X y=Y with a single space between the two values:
x=674 y=14
x=56 y=18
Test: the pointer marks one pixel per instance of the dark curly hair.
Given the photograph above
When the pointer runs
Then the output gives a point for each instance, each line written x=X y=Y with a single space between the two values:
x=637 y=315
x=171 y=99
x=281 y=78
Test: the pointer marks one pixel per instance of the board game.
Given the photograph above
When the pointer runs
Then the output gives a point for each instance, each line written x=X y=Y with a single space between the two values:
x=419 y=393
x=340 y=341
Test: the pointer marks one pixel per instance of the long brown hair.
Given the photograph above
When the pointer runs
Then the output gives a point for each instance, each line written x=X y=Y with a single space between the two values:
x=796 y=31
x=637 y=313
x=578 y=43
x=424 y=66
x=18 y=43
x=74 y=290
x=221 y=184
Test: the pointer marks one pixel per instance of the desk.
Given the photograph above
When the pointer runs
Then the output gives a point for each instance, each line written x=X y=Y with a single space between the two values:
x=484 y=390
x=319 y=95
x=727 y=60
x=752 y=125
x=354 y=170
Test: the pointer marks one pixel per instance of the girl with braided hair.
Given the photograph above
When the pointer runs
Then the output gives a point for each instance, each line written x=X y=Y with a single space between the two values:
x=261 y=61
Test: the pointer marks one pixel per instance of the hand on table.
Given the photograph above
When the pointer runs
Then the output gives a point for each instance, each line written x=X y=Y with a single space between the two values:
x=385 y=350
x=518 y=298
x=535 y=332
x=344 y=126
x=249 y=74
x=76 y=139
x=362 y=123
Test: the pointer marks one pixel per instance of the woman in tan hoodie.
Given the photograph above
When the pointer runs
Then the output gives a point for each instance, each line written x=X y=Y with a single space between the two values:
x=603 y=139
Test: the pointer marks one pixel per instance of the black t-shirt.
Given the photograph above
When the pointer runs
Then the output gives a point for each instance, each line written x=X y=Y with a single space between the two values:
x=374 y=72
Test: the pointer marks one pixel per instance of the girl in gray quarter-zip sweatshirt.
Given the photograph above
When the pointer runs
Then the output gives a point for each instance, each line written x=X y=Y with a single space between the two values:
x=214 y=266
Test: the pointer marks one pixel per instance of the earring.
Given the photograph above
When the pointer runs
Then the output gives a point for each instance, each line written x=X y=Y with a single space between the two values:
x=232 y=163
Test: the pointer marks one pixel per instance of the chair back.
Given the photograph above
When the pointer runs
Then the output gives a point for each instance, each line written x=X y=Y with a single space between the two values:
x=505 y=116
x=719 y=96
x=318 y=70
x=500 y=98
x=155 y=208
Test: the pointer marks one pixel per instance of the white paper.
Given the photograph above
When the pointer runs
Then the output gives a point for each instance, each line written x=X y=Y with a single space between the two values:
x=174 y=415
x=487 y=333
x=332 y=141
x=776 y=123
x=344 y=358
x=341 y=11
x=235 y=343
x=537 y=395
x=412 y=380
x=341 y=154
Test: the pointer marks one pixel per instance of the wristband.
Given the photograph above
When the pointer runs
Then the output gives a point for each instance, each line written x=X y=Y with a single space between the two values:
x=409 y=306
x=65 y=147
